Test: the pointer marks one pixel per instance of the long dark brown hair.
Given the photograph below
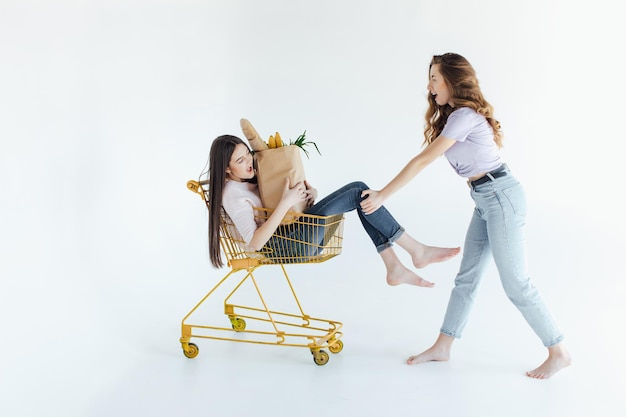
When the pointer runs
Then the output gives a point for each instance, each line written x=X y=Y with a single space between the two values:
x=219 y=157
x=460 y=78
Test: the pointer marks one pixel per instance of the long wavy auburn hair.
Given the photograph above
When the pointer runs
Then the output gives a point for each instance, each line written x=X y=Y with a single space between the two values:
x=460 y=77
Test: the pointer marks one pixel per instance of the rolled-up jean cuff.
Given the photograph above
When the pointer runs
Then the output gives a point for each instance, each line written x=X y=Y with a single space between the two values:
x=392 y=239
x=450 y=333
x=554 y=342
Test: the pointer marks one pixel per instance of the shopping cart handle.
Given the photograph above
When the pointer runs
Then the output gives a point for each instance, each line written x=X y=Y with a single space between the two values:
x=195 y=186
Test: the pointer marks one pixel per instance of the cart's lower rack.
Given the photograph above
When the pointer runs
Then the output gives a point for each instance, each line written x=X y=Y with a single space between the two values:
x=312 y=334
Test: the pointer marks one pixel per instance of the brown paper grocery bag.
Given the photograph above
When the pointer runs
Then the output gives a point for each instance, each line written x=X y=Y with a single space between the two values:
x=273 y=166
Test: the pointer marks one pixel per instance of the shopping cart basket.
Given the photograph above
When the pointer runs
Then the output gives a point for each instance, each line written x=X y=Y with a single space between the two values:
x=305 y=239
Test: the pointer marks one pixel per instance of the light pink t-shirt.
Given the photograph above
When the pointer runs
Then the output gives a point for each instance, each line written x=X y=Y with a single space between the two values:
x=475 y=151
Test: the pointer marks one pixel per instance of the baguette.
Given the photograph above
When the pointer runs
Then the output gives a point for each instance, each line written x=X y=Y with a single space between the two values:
x=256 y=143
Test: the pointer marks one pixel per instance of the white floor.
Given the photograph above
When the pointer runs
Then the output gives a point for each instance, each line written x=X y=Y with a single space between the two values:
x=116 y=352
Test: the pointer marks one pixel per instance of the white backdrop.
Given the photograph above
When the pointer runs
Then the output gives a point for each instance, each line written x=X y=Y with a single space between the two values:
x=107 y=108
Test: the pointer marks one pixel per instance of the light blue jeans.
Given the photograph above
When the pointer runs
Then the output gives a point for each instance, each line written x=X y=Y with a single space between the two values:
x=496 y=229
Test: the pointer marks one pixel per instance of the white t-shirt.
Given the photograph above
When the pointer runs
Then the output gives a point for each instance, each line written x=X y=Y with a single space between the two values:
x=475 y=151
x=239 y=200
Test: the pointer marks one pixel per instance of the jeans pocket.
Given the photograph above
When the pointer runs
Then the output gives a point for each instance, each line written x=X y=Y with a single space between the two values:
x=516 y=198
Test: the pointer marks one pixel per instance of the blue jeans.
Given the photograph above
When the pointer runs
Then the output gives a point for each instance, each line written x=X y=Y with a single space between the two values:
x=381 y=227
x=496 y=229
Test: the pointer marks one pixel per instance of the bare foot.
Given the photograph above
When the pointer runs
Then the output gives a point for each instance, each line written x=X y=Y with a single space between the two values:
x=439 y=352
x=426 y=255
x=402 y=275
x=558 y=358
x=429 y=355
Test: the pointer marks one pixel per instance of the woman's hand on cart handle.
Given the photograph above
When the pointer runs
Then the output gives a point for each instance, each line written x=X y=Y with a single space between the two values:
x=371 y=201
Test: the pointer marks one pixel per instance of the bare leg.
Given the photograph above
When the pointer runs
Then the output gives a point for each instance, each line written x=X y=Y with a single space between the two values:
x=399 y=274
x=558 y=358
x=440 y=351
x=423 y=255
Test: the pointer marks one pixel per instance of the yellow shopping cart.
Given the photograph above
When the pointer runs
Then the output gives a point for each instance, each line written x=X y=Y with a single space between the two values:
x=318 y=239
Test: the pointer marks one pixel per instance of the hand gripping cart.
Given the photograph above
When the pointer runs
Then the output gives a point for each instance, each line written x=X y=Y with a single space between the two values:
x=318 y=239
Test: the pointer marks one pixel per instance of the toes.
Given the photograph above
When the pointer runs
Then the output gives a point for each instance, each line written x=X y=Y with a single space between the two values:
x=536 y=375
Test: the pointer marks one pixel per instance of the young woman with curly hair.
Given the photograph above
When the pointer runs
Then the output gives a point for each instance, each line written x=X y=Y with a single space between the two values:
x=460 y=124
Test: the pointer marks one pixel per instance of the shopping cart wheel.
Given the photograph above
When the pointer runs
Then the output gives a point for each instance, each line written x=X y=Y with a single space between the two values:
x=320 y=357
x=238 y=324
x=191 y=351
x=336 y=347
